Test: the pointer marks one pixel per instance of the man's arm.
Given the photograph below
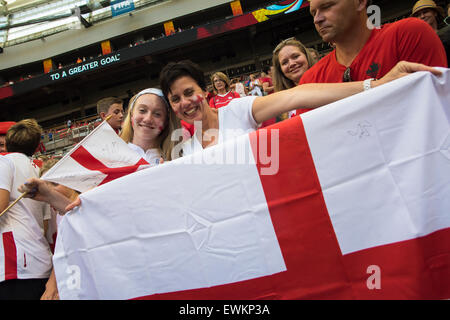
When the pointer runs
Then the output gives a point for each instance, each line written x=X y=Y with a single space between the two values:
x=313 y=95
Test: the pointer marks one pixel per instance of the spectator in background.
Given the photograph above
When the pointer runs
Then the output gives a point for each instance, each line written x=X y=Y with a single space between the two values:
x=224 y=95
x=51 y=289
x=22 y=226
x=184 y=85
x=444 y=34
x=268 y=88
x=314 y=54
x=238 y=87
x=4 y=126
x=111 y=106
x=266 y=80
x=428 y=11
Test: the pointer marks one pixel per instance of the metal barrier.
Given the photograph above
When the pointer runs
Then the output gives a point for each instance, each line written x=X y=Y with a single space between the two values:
x=63 y=140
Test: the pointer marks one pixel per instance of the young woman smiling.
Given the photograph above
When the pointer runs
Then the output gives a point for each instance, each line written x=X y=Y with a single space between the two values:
x=221 y=84
x=149 y=124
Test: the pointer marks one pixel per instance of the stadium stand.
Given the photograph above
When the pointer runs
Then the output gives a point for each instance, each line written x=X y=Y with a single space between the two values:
x=121 y=52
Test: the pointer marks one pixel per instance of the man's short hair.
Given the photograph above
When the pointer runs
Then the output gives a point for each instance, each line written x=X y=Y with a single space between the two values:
x=175 y=70
x=104 y=104
x=24 y=137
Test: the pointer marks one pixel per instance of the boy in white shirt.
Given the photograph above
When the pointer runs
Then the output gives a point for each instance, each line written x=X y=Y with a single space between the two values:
x=25 y=256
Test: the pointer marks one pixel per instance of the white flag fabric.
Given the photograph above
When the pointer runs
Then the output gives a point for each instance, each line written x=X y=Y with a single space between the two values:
x=100 y=157
x=357 y=208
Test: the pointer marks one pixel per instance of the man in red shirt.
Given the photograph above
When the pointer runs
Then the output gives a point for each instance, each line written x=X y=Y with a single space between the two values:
x=363 y=52
x=4 y=126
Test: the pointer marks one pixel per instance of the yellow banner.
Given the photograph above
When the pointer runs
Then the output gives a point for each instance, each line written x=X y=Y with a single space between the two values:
x=236 y=8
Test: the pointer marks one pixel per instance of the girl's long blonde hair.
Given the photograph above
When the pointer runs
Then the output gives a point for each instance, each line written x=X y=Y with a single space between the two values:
x=165 y=142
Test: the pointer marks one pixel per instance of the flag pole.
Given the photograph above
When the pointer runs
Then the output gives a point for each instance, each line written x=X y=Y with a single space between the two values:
x=12 y=204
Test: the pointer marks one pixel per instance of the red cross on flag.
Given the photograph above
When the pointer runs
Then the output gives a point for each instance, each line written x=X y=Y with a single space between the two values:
x=351 y=202
x=99 y=158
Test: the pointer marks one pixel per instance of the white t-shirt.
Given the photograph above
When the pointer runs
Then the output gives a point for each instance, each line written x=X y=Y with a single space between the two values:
x=24 y=250
x=152 y=156
x=235 y=119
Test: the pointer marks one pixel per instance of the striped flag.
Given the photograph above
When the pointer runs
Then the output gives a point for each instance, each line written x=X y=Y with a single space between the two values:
x=100 y=157
x=349 y=201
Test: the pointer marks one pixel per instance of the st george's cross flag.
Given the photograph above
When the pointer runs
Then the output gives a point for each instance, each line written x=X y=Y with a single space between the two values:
x=100 y=157
x=353 y=204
